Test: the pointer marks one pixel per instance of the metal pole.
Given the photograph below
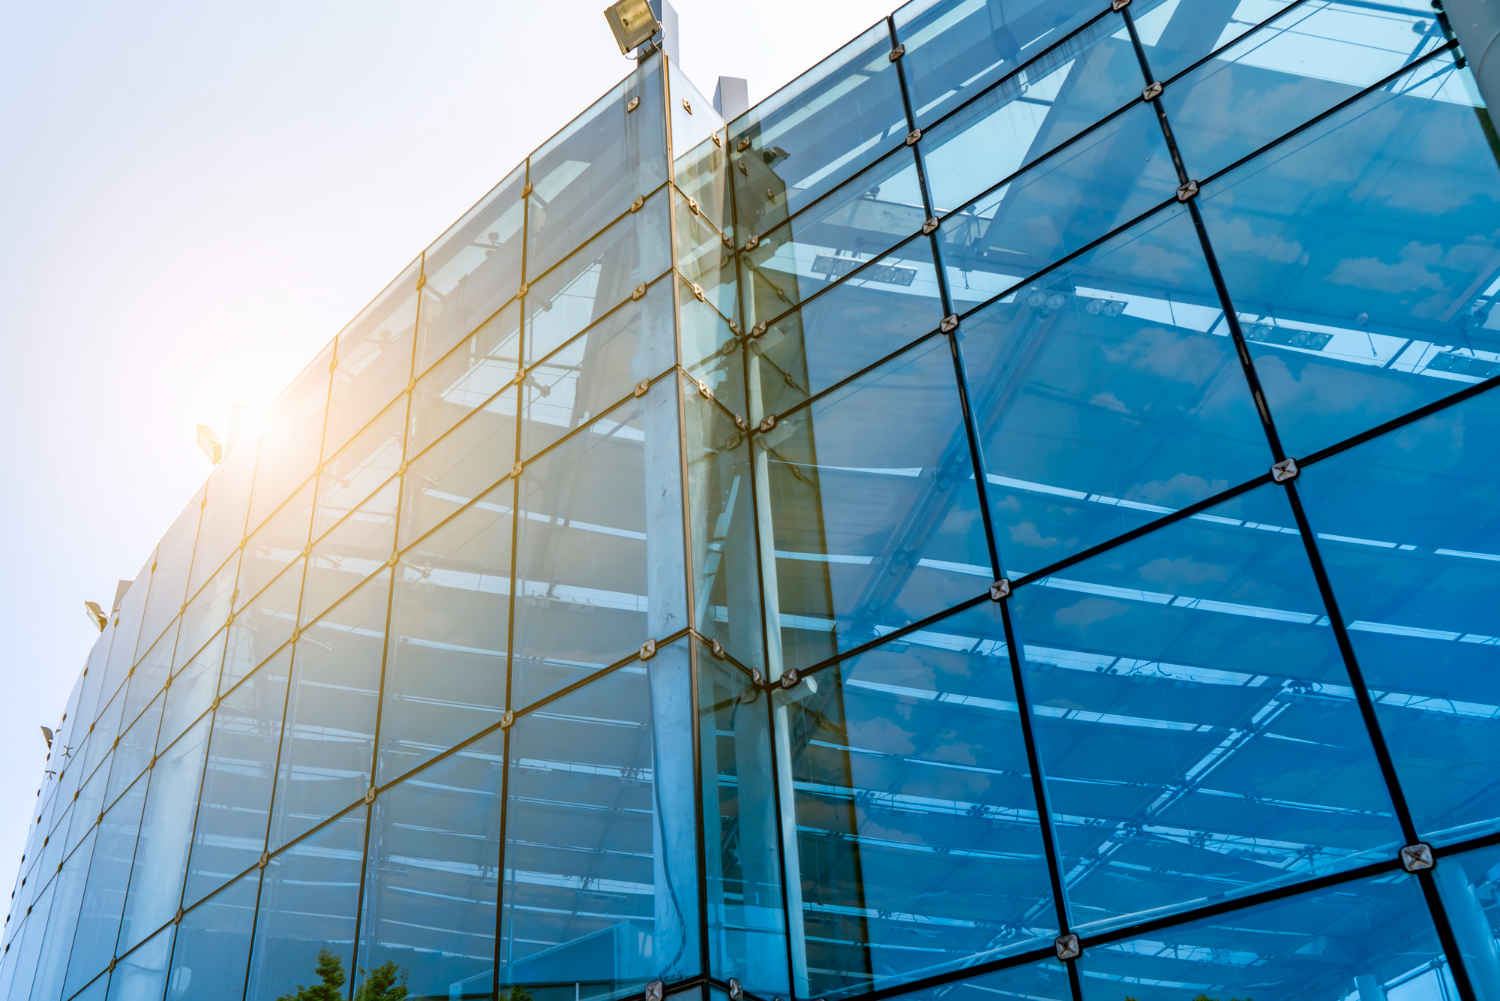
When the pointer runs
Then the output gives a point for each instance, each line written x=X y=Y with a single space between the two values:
x=1476 y=23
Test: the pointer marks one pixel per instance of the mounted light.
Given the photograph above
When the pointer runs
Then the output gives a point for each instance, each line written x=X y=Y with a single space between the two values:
x=633 y=23
x=209 y=441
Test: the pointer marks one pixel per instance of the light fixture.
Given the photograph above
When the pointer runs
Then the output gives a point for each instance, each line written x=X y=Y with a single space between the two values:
x=209 y=441
x=96 y=614
x=633 y=23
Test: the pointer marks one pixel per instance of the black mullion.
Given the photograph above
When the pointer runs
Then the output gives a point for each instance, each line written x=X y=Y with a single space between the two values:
x=1396 y=423
x=1446 y=938
x=1213 y=54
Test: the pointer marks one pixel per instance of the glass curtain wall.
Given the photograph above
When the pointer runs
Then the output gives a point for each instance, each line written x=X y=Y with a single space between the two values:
x=1013 y=514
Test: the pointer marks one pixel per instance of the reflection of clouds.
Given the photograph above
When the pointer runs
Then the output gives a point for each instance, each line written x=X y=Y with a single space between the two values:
x=1090 y=612
x=1183 y=573
x=881 y=731
x=1237 y=235
x=1180 y=357
x=1181 y=490
x=1025 y=533
x=1411 y=273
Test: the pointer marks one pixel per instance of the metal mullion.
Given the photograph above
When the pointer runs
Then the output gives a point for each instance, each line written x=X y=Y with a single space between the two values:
x=1214 y=54
x=795 y=216
x=648 y=195
x=1396 y=423
x=855 y=376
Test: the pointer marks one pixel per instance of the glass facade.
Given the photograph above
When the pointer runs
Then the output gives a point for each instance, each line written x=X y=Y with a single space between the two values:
x=1014 y=514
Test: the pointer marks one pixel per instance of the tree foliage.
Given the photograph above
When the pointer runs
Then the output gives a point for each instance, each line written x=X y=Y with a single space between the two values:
x=330 y=970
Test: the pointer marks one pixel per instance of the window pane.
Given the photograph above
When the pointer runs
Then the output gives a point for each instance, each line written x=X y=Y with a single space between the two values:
x=600 y=866
x=466 y=379
x=149 y=676
x=192 y=691
x=90 y=802
x=143 y=974
x=353 y=550
x=874 y=516
x=446 y=663
x=433 y=873
x=169 y=575
x=374 y=359
x=126 y=628
x=291 y=433
x=205 y=614
x=472 y=269
x=134 y=752
x=22 y=966
x=1409 y=527
x=594 y=168
x=328 y=744
x=213 y=945
x=262 y=626
x=222 y=527
x=309 y=900
x=234 y=810
x=1194 y=718
x=599 y=559
x=360 y=467
x=1351 y=320
x=276 y=544
x=104 y=895
x=1175 y=35
x=62 y=921
x=902 y=827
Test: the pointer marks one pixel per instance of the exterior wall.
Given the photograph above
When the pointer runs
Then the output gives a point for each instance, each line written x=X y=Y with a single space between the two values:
x=1014 y=514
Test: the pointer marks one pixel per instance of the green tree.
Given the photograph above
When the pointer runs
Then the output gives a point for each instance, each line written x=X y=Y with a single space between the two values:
x=518 y=994
x=384 y=983
x=330 y=970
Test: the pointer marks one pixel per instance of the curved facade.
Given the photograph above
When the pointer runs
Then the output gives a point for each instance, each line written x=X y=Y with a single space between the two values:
x=1015 y=514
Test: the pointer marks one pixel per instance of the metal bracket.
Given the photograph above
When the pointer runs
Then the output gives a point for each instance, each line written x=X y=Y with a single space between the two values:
x=743 y=144
x=1000 y=589
x=507 y=719
x=686 y=106
x=642 y=388
x=518 y=378
x=635 y=102
x=704 y=391
x=898 y=52
x=421 y=280
x=1152 y=92
x=739 y=422
x=913 y=136
x=790 y=678
x=759 y=329
x=766 y=423
x=176 y=918
x=718 y=650
x=1118 y=4
x=714 y=136
x=526 y=189
x=693 y=205
x=648 y=649
x=753 y=241
x=734 y=328
x=522 y=290
x=930 y=226
x=369 y=795
x=1068 y=946
x=640 y=291
x=1415 y=858
x=1188 y=191
x=265 y=858
x=1285 y=471
x=515 y=471
x=699 y=294
x=654 y=990
x=949 y=324
x=636 y=205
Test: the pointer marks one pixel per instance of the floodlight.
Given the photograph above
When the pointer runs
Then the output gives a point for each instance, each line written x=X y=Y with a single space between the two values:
x=48 y=735
x=633 y=23
x=96 y=614
x=209 y=441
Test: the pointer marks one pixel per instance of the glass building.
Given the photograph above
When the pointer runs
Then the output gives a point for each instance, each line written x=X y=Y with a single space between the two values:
x=1014 y=515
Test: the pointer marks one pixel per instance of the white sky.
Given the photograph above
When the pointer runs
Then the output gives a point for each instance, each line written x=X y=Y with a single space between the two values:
x=197 y=196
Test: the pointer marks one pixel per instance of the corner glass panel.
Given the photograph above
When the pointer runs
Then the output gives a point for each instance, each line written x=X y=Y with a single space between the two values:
x=357 y=547
x=234 y=808
x=600 y=884
x=213 y=945
x=1194 y=718
x=263 y=626
x=104 y=896
x=1108 y=394
x=472 y=270
x=746 y=920
x=871 y=313
x=466 y=379
x=874 y=519
x=1374 y=936
x=702 y=174
x=360 y=467
x=597 y=369
x=222 y=526
x=445 y=671
x=1272 y=80
x=1069 y=198
x=957 y=48
x=432 y=878
x=374 y=359
x=903 y=822
x=603 y=273
x=169 y=575
x=290 y=439
x=802 y=141
x=328 y=745
x=1351 y=319
x=309 y=902
x=161 y=853
x=590 y=172
x=143 y=973
x=1409 y=528
x=275 y=545
x=599 y=546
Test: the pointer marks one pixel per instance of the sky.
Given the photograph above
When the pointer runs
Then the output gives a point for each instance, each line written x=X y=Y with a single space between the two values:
x=197 y=196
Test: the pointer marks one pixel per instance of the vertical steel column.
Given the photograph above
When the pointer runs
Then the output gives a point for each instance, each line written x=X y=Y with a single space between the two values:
x=1476 y=23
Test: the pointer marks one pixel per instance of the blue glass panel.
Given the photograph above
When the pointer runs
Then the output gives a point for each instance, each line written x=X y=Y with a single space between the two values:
x=464 y=463
x=134 y=752
x=104 y=895
x=205 y=614
x=1044 y=981
x=161 y=852
x=599 y=555
x=1175 y=35
x=328 y=744
x=95 y=991
x=309 y=901
x=1352 y=318
x=1409 y=527
x=957 y=48
x=433 y=874
x=592 y=170
x=1194 y=718
x=603 y=273
x=222 y=526
x=450 y=630
x=600 y=886
x=371 y=458
x=213 y=945
x=822 y=128
x=874 y=517
x=1073 y=196
x=276 y=545
x=1272 y=80
x=93 y=679
x=27 y=946
x=1374 y=936
x=705 y=256
x=1467 y=885
x=597 y=369
x=103 y=733
x=1062 y=93
x=169 y=575
x=290 y=439
x=711 y=351
x=1108 y=394
x=854 y=323
x=86 y=810
x=62 y=922
x=191 y=691
x=234 y=810
x=472 y=269
x=915 y=810
x=126 y=630
x=142 y=975
x=747 y=933
x=353 y=550
x=262 y=626
x=373 y=359
x=721 y=499
x=466 y=379
x=149 y=677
